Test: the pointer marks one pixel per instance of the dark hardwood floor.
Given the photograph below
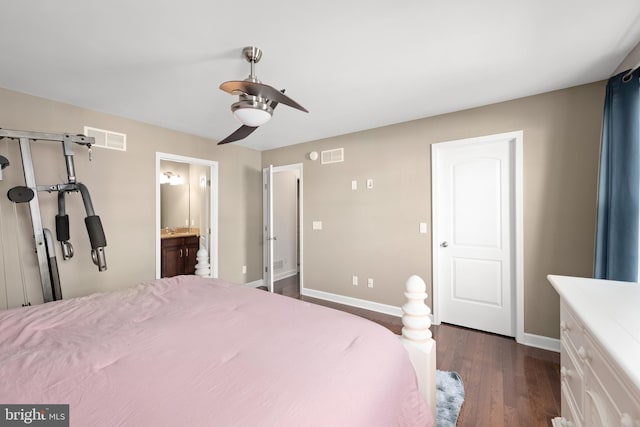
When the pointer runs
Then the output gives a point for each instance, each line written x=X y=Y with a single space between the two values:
x=506 y=384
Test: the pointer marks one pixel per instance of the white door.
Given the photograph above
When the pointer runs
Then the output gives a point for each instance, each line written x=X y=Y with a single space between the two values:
x=267 y=177
x=474 y=232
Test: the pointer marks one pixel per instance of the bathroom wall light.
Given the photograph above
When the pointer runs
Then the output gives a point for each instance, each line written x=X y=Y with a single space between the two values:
x=171 y=178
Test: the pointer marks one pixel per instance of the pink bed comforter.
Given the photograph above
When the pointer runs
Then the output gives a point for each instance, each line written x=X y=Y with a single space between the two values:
x=189 y=351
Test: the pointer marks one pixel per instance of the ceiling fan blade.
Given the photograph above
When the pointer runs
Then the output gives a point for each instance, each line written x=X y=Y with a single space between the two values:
x=242 y=132
x=237 y=87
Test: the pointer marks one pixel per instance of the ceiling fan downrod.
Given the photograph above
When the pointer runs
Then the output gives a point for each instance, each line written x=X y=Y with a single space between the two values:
x=252 y=54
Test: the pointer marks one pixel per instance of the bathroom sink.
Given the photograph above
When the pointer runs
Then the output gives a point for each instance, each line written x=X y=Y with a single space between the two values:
x=178 y=232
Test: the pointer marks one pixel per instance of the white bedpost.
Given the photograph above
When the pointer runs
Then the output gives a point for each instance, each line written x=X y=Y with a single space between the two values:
x=417 y=339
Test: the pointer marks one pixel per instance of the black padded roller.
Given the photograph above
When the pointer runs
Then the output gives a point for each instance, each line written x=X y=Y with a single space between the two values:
x=20 y=194
x=62 y=228
x=96 y=233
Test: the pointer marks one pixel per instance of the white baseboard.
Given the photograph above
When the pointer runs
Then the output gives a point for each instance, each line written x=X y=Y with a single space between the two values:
x=284 y=275
x=353 y=302
x=255 y=284
x=258 y=283
x=531 y=340
x=538 y=341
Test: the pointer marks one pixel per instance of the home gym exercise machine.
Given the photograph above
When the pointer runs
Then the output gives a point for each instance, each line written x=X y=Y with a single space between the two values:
x=45 y=249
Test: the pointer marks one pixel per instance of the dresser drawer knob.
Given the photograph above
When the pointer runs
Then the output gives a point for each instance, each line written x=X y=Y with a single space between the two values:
x=563 y=326
x=583 y=354
x=563 y=422
x=626 y=421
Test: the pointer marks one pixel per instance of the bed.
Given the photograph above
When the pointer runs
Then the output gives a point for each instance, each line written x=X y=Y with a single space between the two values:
x=190 y=351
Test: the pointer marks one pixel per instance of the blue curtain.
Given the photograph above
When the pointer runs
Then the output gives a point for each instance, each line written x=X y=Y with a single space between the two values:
x=617 y=233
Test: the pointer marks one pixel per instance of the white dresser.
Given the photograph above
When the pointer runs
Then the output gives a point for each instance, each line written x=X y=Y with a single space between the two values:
x=600 y=358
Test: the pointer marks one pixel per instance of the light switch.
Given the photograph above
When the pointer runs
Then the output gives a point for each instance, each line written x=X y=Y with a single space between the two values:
x=354 y=185
x=423 y=227
x=317 y=225
x=369 y=183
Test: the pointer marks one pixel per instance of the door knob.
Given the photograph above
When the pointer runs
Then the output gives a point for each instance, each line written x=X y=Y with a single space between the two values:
x=444 y=244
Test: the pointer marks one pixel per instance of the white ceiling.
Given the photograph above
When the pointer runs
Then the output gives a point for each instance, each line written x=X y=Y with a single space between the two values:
x=354 y=64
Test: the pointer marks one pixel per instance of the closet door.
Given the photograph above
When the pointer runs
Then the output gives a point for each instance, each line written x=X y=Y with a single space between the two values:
x=475 y=217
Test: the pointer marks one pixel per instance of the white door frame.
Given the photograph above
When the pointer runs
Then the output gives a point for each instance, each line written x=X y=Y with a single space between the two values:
x=518 y=262
x=275 y=169
x=213 y=207
x=267 y=228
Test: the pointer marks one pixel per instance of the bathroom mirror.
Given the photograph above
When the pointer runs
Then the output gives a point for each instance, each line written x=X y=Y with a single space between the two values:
x=176 y=196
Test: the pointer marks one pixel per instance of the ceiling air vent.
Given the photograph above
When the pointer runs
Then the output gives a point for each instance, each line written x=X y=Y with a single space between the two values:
x=107 y=138
x=332 y=156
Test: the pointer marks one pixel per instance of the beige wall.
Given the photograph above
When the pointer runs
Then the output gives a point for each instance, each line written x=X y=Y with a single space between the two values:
x=122 y=186
x=368 y=233
x=374 y=233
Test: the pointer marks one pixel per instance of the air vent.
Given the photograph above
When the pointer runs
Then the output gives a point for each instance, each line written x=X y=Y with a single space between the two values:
x=277 y=265
x=332 y=156
x=107 y=138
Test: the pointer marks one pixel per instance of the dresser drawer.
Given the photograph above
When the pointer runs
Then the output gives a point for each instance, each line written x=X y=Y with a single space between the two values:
x=600 y=338
x=571 y=330
x=606 y=393
x=570 y=417
x=572 y=379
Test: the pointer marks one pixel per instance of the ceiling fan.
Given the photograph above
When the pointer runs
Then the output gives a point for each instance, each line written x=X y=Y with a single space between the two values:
x=256 y=100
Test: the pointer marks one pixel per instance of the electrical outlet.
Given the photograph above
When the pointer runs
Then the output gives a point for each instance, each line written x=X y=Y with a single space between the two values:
x=244 y=269
x=354 y=280
x=370 y=283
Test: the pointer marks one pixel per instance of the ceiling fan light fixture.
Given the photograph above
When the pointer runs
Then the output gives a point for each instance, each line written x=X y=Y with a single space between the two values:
x=251 y=116
x=251 y=112
x=256 y=101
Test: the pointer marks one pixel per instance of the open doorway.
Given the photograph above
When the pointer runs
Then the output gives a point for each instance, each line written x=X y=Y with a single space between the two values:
x=186 y=214
x=283 y=234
